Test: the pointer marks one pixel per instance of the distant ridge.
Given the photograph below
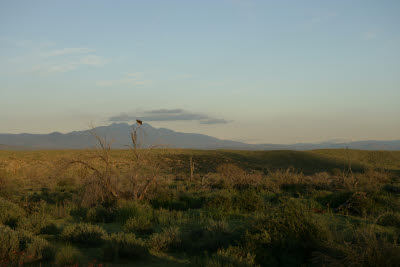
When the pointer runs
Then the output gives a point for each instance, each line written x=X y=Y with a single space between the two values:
x=119 y=134
x=13 y=148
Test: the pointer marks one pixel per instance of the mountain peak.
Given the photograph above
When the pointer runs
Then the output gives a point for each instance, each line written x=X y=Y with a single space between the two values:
x=149 y=136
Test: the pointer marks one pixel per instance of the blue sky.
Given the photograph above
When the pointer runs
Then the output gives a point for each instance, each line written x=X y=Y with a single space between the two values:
x=254 y=71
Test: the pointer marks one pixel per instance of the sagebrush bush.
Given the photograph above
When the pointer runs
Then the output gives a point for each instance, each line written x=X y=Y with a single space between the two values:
x=165 y=240
x=369 y=248
x=9 y=243
x=164 y=217
x=292 y=224
x=78 y=213
x=232 y=256
x=124 y=245
x=10 y=214
x=36 y=222
x=364 y=247
x=288 y=231
x=248 y=200
x=223 y=200
x=39 y=248
x=84 y=233
x=8 y=185
x=67 y=256
x=392 y=188
x=210 y=235
x=131 y=209
x=100 y=214
x=389 y=219
x=138 y=225
x=22 y=246
x=361 y=203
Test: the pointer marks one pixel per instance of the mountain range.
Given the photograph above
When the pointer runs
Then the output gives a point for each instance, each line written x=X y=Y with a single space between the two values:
x=119 y=135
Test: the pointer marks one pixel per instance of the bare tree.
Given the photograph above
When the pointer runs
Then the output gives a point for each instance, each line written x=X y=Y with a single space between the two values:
x=144 y=166
x=101 y=183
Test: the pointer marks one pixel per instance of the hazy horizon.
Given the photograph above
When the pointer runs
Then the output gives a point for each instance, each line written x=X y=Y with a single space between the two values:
x=251 y=71
x=89 y=128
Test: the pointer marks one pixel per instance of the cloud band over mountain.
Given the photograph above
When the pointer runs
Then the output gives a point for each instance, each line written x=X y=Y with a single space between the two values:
x=169 y=115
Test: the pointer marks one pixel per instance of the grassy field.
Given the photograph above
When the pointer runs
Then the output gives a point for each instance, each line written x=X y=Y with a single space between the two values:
x=169 y=207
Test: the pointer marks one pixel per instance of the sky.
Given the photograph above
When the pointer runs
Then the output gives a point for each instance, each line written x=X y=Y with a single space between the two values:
x=243 y=70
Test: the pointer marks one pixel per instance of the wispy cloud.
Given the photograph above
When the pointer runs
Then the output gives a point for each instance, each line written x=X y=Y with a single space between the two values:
x=129 y=79
x=67 y=65
x=214 y=121
x=68 y=51
x=44 y=59
x=169 y=115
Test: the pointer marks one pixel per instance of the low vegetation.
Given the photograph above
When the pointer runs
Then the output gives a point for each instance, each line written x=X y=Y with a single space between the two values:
x=199 y=208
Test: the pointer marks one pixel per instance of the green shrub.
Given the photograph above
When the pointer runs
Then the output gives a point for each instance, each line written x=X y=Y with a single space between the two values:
x=164 y=217
x=100 y=214
x=369 y=248
x=78 y=213
x=59 y=195
x=67 y=256
x=130 y=209
x=248 y=200
x=167 y=239
x=357 y=203
x=122 y=245
x=9 y=243
x=8 y=185
x=162 y=198
x=292 y=224
x=10 y=214
x=232 y=257
x=287 y=233
x=390 y=219
x=392 y=188
x=337 y=200
x=210 y=236
x=84 y=233
x=22 y=246
x=221 y=201
x=386 y=202
x=39 y=248
x=177 y=201
x=365 y=247
x=192 y=201
x=362 y=204
x=138 y=225
x=36 y=222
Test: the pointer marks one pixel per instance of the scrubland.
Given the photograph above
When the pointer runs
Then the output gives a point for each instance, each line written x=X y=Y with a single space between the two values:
x=167 y=207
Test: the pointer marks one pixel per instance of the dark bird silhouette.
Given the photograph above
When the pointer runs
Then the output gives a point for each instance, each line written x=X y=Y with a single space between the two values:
x=139 y=122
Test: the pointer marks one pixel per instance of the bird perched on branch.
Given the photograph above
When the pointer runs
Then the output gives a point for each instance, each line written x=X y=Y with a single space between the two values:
x=139 y=122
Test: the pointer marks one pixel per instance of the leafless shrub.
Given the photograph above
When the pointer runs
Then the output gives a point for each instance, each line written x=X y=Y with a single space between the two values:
x=144 y=168
x=234 y=176
x=286 y=177
x=231 y=173
x=370 y=180
x=321 y=180
x=99 y=173
x=367 y=247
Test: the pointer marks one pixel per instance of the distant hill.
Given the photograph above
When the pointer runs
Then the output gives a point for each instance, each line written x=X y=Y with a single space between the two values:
x=119 y=134
x=13 y=148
